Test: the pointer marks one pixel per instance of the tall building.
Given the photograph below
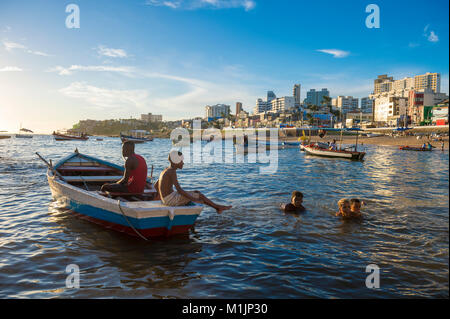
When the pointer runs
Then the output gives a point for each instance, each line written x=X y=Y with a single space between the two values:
x=314 y=97
x=238 y=108
x=345 y=104
x=366 y=105
x=296 y=93
x=270 y=96
x=383 y=84
x=281 y=104
x=261 y=106
x=428 y=81
x=217 y=111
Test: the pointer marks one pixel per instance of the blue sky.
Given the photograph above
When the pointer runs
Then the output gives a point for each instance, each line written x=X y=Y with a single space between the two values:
x=174 y=57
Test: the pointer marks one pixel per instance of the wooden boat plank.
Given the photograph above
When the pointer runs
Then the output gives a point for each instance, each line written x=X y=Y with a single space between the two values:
x=92 y=178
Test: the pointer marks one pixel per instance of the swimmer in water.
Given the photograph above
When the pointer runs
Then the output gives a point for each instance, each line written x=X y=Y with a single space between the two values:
x=344 y=208
x=355 y=207
x=295 y=206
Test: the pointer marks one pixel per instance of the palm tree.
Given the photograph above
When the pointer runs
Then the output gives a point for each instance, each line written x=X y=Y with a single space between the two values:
x=326 y=100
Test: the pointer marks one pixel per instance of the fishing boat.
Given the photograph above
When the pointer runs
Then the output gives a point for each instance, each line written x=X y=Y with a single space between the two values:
x=323 y=149
x=136 y=136
x=77 y=180
x=69 y=137
x=24 y=135
x=417 y=149
x=319 y=151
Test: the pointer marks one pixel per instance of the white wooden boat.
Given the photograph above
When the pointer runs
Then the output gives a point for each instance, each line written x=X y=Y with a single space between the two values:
x=77 y=180
x=319 y=151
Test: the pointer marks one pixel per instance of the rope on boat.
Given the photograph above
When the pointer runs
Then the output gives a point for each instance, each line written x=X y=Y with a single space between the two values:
x=135 y=230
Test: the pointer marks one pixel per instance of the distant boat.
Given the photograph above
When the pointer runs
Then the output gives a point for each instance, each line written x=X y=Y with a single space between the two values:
x=417 y=149
x=67 y=137
x=2 y=137
x=136 y=136
x=24 y=135
x=77 y=180
x=319 y=151
x=99 y=139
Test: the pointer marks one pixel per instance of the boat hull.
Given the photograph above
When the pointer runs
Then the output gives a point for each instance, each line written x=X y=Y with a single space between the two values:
x=149 y=218
x=61 y=137
x=336 y=154
x=23 y=136
x=415 y=149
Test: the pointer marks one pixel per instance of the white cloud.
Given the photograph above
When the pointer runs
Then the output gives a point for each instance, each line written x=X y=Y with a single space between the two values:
x=247 y=5
x=335 y=52
x=106 y=98
x=92 y=68
x=112 y=53
x=10 y=46
x=11 y=69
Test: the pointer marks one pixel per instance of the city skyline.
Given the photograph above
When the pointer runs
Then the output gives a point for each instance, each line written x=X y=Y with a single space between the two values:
x=127 y=59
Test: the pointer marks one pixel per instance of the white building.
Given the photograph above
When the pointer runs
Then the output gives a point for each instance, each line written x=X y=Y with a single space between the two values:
x=345 y=103
x=388 y=109
x=262 y=106
x=281 y=104
x=217 y=111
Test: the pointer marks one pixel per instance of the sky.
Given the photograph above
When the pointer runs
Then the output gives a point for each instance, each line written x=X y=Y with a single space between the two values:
x=173 y=57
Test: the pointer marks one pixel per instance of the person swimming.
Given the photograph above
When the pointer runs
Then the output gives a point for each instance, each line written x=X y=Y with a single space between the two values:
x=295 y=206
x=355 y=207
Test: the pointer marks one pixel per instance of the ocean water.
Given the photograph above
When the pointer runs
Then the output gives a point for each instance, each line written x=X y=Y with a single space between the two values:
x=252 y=251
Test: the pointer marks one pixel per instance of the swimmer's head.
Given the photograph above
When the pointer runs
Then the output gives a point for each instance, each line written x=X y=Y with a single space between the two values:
x=297 y=198
x=344 y=206
x=176 y=159
x=355 y=205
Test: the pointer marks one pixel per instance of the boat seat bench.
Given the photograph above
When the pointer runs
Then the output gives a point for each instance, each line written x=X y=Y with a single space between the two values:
x=85 y=169
x=92 y=178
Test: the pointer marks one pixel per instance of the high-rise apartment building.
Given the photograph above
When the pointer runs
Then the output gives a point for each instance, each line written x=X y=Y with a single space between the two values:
x=345 y=104
x=282 y=104
x=314 y=97
x=296 y=93
x=428 y=81
x=383 y=84
x=217 y=111
x=238 y=108
x=366 y=105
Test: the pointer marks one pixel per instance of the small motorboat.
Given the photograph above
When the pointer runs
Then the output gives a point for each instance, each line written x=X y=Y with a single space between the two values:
x=67 y=137
x=77 y=180
x=319 y=151
x=136 y=136
x=417 y=149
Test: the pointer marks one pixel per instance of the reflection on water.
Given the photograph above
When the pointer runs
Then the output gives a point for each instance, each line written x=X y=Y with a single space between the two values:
x=254 y=250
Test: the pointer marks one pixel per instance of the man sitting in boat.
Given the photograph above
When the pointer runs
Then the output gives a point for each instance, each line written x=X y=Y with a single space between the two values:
x=333 y=146
x=179 y=197
x=135 y=176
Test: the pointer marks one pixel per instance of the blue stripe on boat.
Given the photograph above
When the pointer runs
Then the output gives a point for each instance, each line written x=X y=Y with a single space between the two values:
x=142 y=223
